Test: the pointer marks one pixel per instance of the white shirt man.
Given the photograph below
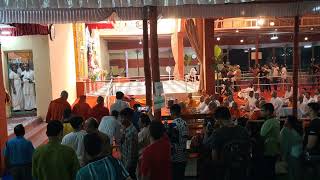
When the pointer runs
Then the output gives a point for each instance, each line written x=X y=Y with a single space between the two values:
x=110 y=126
x=277 y=103
x=16 y=90
x=251 y=101
x=307 y=99
x=75 y=141
x=119 y=105
x=28 y=89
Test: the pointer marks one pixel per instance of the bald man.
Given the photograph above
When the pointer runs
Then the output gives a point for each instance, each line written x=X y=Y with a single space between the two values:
x=99 y=110
x=57 y=107
x=82 y=108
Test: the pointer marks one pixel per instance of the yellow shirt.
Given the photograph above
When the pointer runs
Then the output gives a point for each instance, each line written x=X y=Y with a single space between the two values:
x=67 y=128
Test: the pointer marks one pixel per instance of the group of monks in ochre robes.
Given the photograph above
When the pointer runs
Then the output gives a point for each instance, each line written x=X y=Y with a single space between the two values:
x=58 y=107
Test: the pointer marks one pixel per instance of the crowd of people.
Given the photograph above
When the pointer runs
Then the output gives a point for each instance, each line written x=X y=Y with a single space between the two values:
x=83 y=140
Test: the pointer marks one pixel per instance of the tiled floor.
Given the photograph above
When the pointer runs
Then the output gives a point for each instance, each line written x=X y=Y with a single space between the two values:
x=12 y=122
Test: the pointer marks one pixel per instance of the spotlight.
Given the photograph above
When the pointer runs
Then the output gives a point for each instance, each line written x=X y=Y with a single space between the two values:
x=306 y=38
x=241 y=40
x=312 y=29
x=140 y=42
x=253 y=48
x=307 y=46
x=218 y=38
x=237 y=31
x=271 y=23
x=260 y=22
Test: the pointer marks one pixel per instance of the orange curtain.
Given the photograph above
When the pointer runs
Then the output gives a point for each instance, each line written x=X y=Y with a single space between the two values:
x=194 y=30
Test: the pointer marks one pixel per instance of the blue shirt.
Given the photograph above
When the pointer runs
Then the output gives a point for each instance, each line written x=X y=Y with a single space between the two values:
x=19 y=151
x=107 y=168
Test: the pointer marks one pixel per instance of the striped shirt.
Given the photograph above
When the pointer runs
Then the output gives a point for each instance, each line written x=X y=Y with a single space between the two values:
x=129 y=146
x=107 y=168
x=111 y=127
x=179 y=153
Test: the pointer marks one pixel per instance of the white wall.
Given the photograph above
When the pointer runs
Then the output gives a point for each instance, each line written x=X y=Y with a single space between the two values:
x=40 y=51
x=62 y=62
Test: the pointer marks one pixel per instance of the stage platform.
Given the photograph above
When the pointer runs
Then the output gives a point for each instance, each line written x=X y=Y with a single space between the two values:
x=138 y=88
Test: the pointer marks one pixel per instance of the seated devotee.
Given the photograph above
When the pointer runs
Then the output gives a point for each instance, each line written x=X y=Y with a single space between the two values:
x=75 y=138
x=191 y=103
x=129 y=142
x=316 y=95
x=143 y=135
x=206 y=108
x=54 y=161
x=277 y=103
x=250 y=102
x=256 y=113
x=100 y=167
x=244 y=93
x=235 y=111
x=57 y=107
x=226 y=134
x=155 y=162
x=302 y=106
x=91 y=126
x=270 y=131
x=82 y=108
x=120 y=104
x=257 y=96
x=99 y=110
x=212 y=107
x=18 y=155
x=202 y=104
x=110 y=126
x=288 y=95
x=308 y=99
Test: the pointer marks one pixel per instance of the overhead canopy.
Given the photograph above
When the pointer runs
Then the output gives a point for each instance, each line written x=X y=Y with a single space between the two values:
x=66 y=11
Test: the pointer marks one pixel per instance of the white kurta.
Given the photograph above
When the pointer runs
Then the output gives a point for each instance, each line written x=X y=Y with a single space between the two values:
x=28 y=90
x=17 y=99
x=277 y=104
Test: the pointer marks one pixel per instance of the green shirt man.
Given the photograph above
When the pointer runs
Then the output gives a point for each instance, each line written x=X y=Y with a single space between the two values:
x=54 y=161
x=270 y=131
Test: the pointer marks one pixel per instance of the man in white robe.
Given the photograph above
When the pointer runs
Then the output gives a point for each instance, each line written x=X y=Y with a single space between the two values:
x=28 y=88
x=307 y=98
x=277 y=103
x=16 y=89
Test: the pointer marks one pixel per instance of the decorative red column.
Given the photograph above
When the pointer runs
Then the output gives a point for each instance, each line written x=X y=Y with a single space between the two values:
x=296 y=61
x=208 y=55
x=3 y=118
x=147 y=70
x=154 y=52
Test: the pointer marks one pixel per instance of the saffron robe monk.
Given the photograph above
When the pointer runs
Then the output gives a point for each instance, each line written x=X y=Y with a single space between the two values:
x=99 y=110
x=82 y=108
x=57 y=107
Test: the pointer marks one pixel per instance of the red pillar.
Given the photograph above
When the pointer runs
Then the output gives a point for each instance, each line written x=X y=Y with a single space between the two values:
x=257 y=50
x=296 y=61
x=154 y=51
x=208 y=55
x=3 y=118
x=147 y=70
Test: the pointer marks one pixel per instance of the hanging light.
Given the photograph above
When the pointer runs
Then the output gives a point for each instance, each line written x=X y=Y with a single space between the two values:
x=218 y=38
x=140 y=42
x=237 y=31
x=274 y=37
x=306 y=38
x=307 y=46
x=241 y=40
x=271 y=23
x=253 y=48
x=260 y=21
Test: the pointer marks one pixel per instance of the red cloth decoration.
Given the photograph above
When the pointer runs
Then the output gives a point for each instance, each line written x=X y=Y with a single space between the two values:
x=26 y=29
